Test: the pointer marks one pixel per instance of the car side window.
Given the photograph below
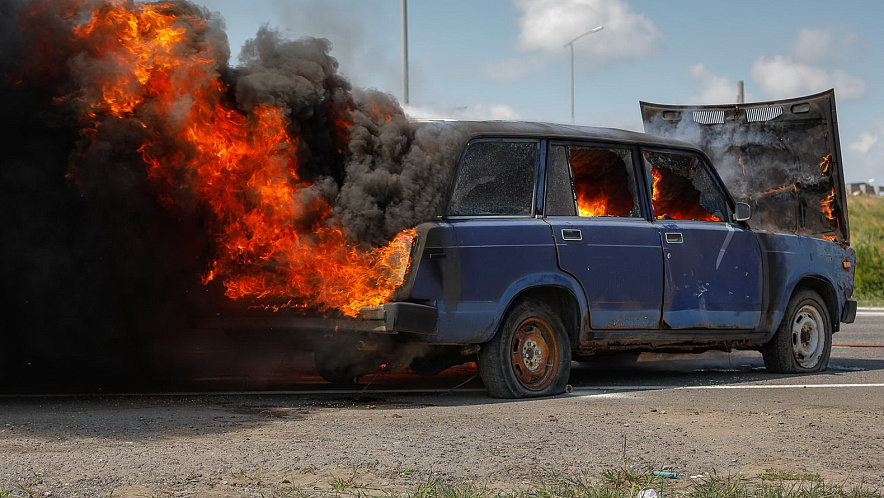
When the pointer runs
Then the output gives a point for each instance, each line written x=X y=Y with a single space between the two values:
x=495 y=178
x=592 y=181
x=682 y=188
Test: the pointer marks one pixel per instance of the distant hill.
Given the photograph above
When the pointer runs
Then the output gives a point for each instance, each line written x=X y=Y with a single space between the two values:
x=866 y=215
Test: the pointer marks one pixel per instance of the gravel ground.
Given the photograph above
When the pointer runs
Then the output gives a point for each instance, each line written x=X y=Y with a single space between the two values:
x=248 y=445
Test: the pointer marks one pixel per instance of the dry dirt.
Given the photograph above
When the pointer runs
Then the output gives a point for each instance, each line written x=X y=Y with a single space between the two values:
x=248 y=445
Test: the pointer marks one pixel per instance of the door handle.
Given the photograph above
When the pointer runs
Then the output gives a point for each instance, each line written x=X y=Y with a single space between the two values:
x=571 y=234
x=674 y=238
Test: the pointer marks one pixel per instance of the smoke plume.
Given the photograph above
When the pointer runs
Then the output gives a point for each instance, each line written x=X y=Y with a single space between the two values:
x=139 y=165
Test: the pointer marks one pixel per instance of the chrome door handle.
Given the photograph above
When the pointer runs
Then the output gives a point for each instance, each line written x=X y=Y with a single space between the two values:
x=571 y=234
x=674 y=238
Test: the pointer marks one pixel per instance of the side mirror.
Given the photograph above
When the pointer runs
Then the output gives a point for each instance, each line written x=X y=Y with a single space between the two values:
x=743 y=212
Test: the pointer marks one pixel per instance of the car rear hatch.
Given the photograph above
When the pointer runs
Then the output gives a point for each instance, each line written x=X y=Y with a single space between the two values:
x=783 y=158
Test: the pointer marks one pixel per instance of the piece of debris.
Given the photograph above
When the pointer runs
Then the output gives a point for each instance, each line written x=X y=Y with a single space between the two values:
x=668 y=475
x=396 y=415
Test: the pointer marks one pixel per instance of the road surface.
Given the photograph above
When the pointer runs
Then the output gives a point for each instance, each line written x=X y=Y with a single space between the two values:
x=715 y=412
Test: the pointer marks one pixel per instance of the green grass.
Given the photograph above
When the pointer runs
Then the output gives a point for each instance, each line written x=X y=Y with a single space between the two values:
x=617 y=483
x=866 y=217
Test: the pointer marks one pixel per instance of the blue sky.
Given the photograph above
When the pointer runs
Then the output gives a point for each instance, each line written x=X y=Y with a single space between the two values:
x=504 y=59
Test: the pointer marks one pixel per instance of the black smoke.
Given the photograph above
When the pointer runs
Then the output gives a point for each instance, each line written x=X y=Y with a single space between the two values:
x=100 y=262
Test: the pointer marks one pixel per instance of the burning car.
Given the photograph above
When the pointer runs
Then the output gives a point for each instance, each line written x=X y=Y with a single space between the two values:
x=563 y=242
x=145 y=169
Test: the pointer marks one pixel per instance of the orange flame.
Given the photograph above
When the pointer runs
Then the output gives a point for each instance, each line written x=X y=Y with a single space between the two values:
x=825 y=165
x=828 y=205
x=275 y=236
x=655 y=187
x=591 y=207
x=664 y=203
x=778 y=189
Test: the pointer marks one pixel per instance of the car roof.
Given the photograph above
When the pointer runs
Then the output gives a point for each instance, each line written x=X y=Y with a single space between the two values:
x=555 y=131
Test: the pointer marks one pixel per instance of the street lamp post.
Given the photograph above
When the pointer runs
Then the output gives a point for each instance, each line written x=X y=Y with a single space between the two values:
x=404 y=14
x=571 y=44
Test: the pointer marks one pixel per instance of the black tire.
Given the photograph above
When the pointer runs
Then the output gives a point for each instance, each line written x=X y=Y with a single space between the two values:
x=803 y=341
x=529 y=356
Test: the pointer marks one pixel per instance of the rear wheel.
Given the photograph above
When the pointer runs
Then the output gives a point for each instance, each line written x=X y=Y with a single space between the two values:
x=529 y=356
x=803 y=342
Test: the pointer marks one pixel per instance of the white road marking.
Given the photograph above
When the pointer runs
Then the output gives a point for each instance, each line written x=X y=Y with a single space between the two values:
x=716 y=387
x=870 y=313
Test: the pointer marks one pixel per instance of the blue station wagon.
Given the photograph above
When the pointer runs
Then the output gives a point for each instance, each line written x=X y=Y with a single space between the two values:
x=564 y=243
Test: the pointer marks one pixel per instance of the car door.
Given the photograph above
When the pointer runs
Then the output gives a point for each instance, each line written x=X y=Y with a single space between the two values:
x=713 y=273
x=603 y=237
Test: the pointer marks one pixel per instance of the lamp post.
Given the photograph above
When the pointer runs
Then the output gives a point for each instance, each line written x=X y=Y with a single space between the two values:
x=404 y=14
x=571 y=44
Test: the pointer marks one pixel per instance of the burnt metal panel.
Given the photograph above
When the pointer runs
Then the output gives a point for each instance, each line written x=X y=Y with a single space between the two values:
x=783 y=158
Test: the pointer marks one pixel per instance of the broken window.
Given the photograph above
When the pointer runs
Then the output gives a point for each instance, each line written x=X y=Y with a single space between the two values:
x=495 y=178
x=591 y=181
x=682 y=188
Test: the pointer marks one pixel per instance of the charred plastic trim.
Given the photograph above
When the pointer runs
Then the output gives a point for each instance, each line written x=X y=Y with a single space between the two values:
x=411 y=318
x=848 y=314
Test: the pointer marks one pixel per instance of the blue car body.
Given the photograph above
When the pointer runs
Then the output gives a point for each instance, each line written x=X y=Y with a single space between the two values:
x=633 y=282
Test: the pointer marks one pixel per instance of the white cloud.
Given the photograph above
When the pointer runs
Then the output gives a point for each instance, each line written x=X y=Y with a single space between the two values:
x=712 y=89
x=546 y=25
x=865 y=142
x=810 y=67
x=813 y=46
x=783 y=77
x=474 y=112
x=864 y=156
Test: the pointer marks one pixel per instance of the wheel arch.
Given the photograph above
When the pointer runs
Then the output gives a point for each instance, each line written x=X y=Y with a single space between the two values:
x=826 y=290
x=563 y=302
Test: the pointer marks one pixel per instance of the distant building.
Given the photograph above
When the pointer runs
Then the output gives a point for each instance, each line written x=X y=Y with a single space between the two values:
x=863 y=188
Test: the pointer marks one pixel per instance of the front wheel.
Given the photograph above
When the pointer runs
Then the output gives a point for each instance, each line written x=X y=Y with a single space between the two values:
x=529 y=356
x=803 y=342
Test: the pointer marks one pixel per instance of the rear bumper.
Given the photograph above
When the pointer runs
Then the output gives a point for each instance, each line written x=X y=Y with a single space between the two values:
x=848 y=314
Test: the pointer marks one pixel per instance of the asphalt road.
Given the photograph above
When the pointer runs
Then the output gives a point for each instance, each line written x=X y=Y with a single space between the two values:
x=848 y=365
x=695 y=415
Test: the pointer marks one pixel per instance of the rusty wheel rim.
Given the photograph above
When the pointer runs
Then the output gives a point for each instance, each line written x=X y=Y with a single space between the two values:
x=534 y=354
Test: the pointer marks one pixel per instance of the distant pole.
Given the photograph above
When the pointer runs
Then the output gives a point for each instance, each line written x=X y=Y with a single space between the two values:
x=404 y=4
x=572 y=82
x=571 y=45
x=740 y=99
